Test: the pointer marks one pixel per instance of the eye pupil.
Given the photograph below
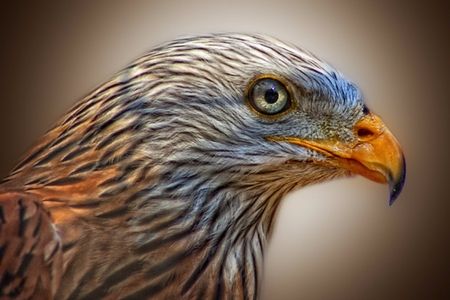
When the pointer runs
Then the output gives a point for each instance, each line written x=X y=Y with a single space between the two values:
x=271 y=96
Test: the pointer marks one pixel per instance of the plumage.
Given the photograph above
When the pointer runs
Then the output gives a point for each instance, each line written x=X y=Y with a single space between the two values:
x=165 y=181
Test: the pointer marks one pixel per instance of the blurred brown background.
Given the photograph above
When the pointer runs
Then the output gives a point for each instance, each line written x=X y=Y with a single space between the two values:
x=332 y=241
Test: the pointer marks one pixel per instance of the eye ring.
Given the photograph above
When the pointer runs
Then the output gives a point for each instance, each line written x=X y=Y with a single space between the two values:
x=269 y=96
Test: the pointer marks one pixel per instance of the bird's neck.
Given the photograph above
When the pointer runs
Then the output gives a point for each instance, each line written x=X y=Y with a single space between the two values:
x=136 y=227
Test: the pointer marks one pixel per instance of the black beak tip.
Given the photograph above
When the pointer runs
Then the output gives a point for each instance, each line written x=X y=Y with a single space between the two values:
x=396 y=184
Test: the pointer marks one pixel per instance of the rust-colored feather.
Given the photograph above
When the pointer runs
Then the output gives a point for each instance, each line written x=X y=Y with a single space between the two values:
x=30 y=249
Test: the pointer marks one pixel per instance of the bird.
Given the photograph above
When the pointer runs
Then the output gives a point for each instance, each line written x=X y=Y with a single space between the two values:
x=165 y=182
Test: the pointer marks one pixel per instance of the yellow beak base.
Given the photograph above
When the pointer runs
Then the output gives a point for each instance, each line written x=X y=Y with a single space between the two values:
x=375 y=155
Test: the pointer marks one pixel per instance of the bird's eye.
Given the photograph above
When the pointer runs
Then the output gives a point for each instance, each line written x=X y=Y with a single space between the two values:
x=269 y=96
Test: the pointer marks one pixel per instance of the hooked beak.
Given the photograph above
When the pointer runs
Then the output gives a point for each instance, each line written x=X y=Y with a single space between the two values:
x=375 y=155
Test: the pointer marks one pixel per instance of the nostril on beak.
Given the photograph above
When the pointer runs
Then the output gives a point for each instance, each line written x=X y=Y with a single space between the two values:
x=365 y=133
x=368 y=128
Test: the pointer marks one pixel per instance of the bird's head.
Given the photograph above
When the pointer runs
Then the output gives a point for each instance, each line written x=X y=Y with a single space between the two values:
x=255 y=105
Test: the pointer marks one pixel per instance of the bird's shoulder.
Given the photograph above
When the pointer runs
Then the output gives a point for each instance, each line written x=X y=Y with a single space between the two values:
x=30 y=248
